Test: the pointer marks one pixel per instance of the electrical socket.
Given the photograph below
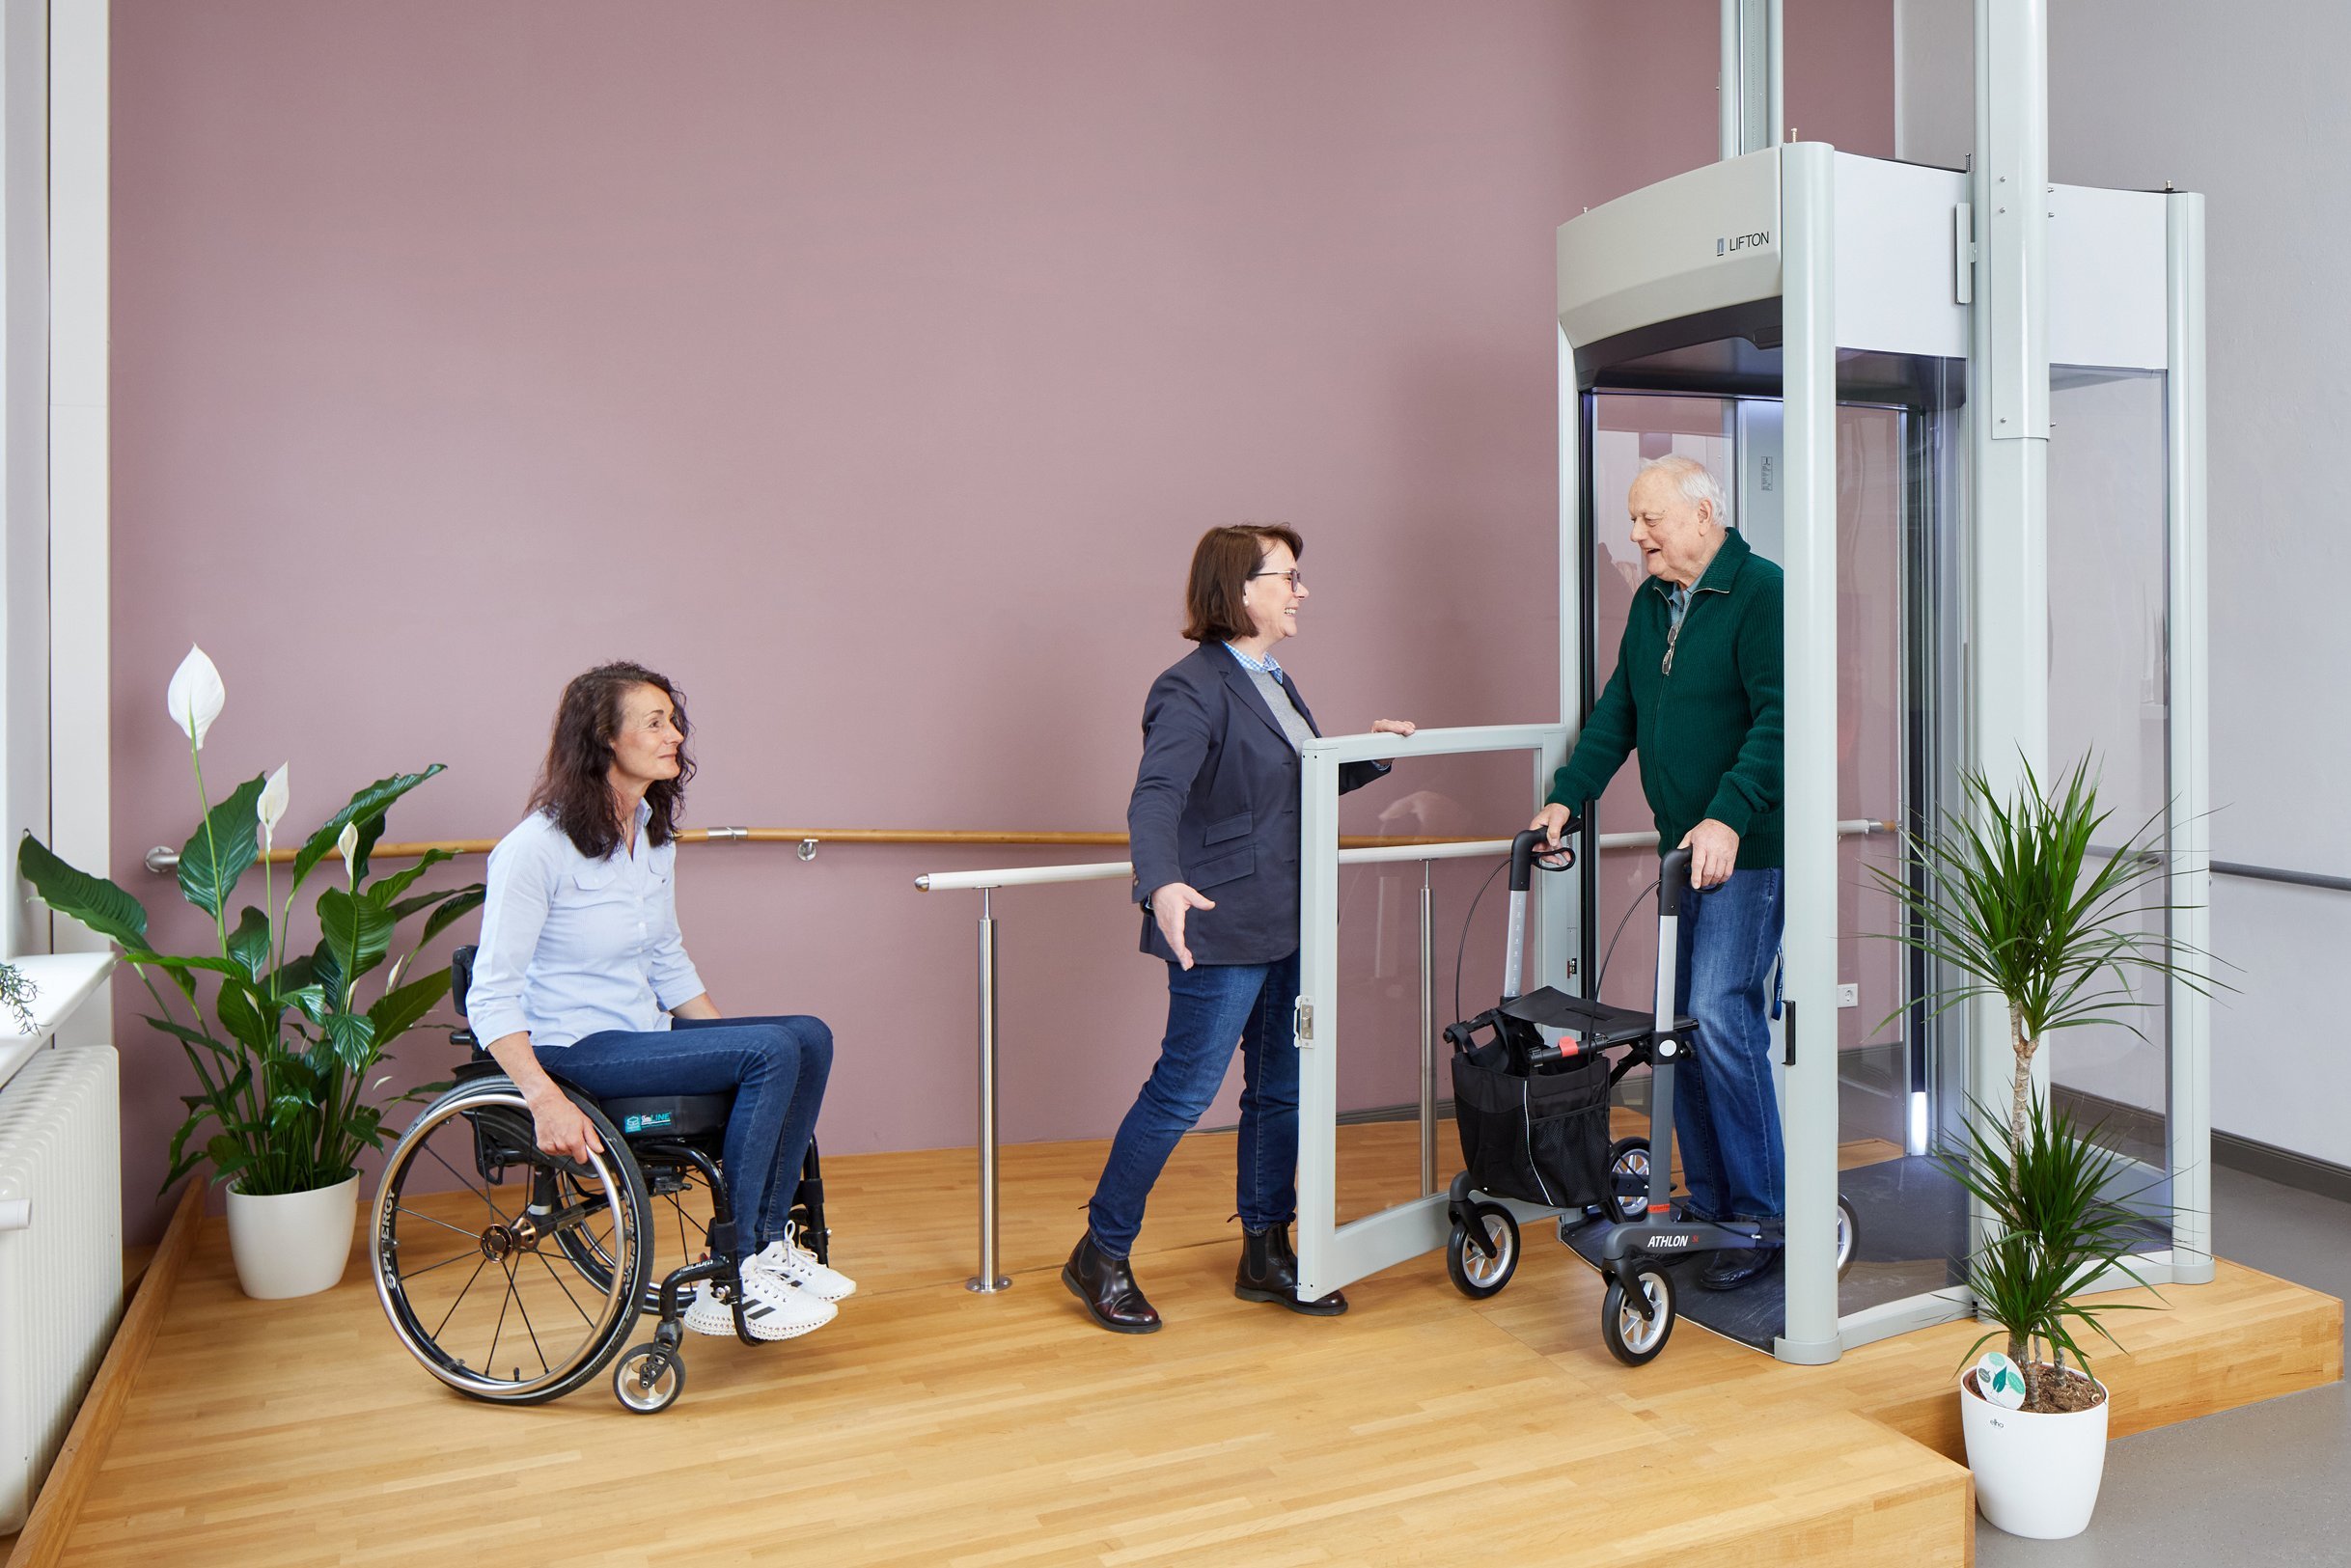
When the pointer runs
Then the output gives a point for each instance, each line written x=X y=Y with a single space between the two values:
x=1848 y=995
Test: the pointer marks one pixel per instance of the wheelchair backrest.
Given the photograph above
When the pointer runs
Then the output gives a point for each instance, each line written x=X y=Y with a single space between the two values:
x=460 y=982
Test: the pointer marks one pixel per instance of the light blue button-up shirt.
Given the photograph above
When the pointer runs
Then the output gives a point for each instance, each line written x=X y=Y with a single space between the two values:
x=572 y=946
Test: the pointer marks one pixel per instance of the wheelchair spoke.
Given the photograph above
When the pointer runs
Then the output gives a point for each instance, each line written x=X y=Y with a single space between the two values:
x=467 y=1184
x=565 y=1288
x=527 y=1325
x=461 y=1293
x=489 y=1363
x=454 y=1257
x=431 y=1220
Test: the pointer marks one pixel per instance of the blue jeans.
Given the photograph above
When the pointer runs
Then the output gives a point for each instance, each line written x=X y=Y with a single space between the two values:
x=775 y=1068
x=1726 y=1117
x=1210 y=1006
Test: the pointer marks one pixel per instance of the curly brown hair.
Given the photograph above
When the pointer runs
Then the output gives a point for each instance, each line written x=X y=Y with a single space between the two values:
x=1221 y=564
x=575 y=782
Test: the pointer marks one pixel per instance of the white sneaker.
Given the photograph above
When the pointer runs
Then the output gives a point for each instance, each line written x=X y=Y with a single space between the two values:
x=787 y=1259
x=707 y=1315
x=778 y=1310
x=772 y=1309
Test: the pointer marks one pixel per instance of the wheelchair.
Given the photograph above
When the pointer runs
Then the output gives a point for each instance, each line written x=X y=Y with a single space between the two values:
x=517 y=1277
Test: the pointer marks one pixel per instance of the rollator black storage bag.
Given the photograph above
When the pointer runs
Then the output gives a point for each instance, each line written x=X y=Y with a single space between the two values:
x=1539 y=1136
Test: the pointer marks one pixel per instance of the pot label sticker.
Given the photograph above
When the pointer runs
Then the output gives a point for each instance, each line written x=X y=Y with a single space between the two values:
x=1999 y=1381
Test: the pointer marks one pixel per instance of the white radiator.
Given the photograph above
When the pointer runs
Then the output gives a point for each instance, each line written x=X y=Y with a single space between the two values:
x=60 y=1254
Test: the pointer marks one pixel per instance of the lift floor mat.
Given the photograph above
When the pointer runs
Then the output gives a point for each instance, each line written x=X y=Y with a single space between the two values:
x=1912 y=1222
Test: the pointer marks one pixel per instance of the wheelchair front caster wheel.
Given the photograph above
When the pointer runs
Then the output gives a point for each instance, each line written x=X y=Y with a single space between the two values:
x=1849 y=1236
x=1632 y=1339
x=649 y=1378
x=1479 y=1271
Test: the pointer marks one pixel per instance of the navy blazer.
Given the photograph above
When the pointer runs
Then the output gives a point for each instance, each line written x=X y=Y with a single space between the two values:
x=1216 y=806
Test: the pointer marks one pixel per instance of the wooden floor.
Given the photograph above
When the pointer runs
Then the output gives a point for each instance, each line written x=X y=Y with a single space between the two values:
x=927 y=1425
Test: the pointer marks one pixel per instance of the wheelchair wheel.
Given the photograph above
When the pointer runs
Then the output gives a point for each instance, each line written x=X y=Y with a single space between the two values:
x=679 y=1205
x=469 y=1253
x=1630 y=1337
x=1848 y=1235
x=649 y=1378
x=1628 y=1177
x=1474 y=1273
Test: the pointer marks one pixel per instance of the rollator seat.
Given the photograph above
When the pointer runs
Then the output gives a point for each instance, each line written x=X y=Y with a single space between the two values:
x=1596 y=1024
x=668 y=1115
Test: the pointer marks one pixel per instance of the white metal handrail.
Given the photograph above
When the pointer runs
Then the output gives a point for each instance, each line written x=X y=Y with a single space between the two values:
x=987 y=1281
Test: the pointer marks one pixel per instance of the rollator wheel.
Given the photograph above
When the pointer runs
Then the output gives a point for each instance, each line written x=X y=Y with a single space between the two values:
x=1628 y=1179
x=1848 y=1235
x=649 y=1378
x=1630 y=1337
x=1474 y=1273
x=470 y=1256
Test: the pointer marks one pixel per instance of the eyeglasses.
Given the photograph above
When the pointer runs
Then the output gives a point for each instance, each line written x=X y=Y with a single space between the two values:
x=1291 y=576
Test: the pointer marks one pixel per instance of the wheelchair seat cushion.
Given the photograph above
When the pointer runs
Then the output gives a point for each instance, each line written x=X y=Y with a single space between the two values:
x=668 y=1115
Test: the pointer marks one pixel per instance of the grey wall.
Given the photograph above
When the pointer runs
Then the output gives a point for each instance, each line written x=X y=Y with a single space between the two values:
x=2241 y=102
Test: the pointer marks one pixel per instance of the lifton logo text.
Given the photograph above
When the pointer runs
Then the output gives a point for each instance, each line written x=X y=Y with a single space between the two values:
x=1729 y=243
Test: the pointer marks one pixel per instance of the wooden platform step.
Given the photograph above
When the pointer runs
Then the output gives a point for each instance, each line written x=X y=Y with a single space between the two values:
x=927 y=1425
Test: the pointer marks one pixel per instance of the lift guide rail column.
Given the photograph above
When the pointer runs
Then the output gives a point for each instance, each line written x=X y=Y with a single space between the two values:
x=1332 y=1256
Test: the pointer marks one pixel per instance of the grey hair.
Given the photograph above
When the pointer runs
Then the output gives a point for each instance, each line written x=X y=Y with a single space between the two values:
x=1694 y=478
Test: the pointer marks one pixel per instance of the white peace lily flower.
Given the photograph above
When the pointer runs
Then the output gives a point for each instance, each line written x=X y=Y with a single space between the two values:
x=270 y=808
x=347 y=842
x=196 y=696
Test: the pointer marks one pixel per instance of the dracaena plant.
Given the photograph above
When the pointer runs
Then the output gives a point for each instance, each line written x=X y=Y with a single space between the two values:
x=2033 y=916
x=284 y=1044
x=2063 y=1210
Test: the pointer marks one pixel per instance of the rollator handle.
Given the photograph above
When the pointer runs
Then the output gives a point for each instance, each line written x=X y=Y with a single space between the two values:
x=1673 y=881
x=1527 y=852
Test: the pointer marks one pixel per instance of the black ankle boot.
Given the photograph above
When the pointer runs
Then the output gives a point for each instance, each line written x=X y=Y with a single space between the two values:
x=1108 y=1288
x=1269 y=1272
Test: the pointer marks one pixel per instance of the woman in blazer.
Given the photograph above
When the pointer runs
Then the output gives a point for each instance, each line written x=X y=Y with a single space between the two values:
x=1213 y=823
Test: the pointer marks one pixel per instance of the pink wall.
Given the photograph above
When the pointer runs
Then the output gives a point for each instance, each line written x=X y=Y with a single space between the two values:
x=870 y=369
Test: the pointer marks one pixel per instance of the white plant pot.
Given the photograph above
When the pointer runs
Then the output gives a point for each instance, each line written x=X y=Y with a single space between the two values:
x=293 y=1244
x=2037 y=1474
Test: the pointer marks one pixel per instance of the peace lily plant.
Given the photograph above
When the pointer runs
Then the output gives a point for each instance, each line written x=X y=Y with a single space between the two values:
x=281 y=1046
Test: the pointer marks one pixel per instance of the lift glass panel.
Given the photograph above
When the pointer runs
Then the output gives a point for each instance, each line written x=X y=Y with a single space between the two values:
x=2109 y=703
x=1897 y=419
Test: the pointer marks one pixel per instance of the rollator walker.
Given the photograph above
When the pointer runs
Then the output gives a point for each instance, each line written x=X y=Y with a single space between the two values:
x=1532 y=1105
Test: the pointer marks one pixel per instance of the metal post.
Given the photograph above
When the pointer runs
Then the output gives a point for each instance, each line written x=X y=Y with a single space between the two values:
x=1808 y=368
x=2008 y=415
x=1751 y=111
x=1428 y=1039
x=988 y=1281
x=2190 y=884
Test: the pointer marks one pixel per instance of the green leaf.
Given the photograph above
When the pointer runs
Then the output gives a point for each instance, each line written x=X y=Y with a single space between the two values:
x=328 y=971
x=383 y=892
x=92 y=901
x=180 y=1032
x=461 y=904
x=222 y=849
x=351 y=1036
x=249 y=943
x=397 y=1010
x=357 y=934
x=366 y=807
x=311 y=999
x=241 y=1016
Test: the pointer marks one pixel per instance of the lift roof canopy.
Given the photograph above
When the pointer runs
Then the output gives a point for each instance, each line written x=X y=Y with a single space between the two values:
x=1696 y=259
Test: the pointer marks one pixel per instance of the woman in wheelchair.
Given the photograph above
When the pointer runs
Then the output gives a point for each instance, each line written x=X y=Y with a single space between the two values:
x=582 y=980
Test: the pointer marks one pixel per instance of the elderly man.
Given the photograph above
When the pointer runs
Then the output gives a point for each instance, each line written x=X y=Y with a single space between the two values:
x=1697 y=690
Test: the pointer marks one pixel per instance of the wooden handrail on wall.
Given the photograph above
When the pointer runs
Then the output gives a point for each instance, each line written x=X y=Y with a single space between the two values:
x=160 y=860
